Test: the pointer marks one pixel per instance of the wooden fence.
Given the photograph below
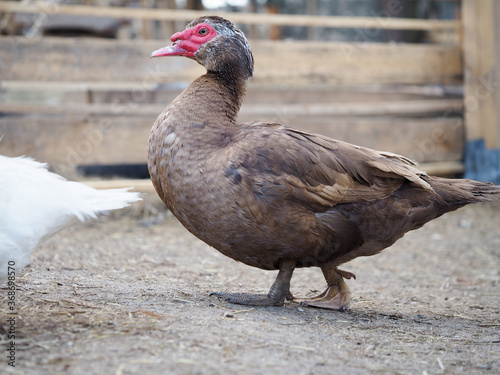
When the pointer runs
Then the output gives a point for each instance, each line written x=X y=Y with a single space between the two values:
x=87 y=101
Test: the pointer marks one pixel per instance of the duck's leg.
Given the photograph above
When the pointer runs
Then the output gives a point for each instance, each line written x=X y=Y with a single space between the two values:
x=336 y=296
x=276 y=296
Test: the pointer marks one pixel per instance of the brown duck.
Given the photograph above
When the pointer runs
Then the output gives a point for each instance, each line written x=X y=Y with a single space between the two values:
x=279 y=198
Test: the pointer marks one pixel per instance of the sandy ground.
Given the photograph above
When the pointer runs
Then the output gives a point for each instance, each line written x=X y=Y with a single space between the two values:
x=129 y=294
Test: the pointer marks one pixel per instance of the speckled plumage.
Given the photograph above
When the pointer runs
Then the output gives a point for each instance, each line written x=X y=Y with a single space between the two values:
x=279 y=198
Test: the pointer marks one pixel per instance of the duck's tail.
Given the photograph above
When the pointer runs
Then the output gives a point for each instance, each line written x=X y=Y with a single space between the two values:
x=460 y=192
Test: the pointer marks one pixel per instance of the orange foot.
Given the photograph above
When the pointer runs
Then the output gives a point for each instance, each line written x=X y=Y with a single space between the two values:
x=336 y=296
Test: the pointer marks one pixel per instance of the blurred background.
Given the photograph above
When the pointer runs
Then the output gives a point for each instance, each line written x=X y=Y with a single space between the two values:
x=416 y=77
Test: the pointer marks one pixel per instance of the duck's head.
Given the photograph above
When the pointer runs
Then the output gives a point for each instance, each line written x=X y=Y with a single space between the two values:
x=215 y=43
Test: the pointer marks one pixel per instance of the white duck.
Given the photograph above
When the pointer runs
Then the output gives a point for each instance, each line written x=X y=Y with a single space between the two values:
x=36 y=203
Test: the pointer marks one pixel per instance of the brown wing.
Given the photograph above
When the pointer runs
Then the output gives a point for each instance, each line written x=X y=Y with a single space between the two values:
x=317 y=171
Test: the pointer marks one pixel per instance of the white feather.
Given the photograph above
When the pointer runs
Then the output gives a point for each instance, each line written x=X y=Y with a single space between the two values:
x=35 y=204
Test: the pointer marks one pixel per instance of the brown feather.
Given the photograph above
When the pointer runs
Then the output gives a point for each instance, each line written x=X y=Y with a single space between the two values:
x=263 y=194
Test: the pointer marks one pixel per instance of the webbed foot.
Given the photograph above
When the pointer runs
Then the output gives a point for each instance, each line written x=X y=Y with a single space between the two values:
x=280 y=290
x=249 y=299
x=336 y=296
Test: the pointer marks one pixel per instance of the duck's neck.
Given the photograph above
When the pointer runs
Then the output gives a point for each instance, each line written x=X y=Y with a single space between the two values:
x=213 y=99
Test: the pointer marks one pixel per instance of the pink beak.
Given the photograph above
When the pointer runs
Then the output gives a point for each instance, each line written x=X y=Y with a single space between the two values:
x=174 y=49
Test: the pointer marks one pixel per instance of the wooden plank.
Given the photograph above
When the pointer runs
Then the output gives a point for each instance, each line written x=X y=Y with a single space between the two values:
x=277 y=63
x=493 y=134
x=471 y=68
x=77 y=86
x=387 y=23
x=351 y=64
x=87 y=140
x=481 y=39
x=403 y=107
x=482 y=70
x=112 y=92
x=445 y=168
x=80 y=140
x=88 y=60
x=139 y=185
x=490 y=121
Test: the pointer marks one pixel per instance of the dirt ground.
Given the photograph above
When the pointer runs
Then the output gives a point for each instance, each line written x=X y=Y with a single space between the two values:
x=129 y=294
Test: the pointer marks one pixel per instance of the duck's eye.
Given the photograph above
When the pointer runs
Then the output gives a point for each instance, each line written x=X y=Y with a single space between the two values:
x=203 y=31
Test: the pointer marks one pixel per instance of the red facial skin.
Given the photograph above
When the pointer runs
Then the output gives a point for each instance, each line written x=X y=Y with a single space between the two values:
x=187 y=42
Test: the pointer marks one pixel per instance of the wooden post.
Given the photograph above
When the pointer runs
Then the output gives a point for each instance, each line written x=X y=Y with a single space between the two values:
x=274 y=30
x=146 y=24
x=481 y=51
x=312 y=9
x=168 y=28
